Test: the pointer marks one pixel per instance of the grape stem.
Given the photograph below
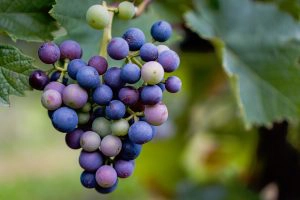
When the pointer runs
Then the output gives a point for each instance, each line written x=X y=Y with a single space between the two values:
x=63 y=71
x=136 y=61
x=142 y=7
x=134 y=115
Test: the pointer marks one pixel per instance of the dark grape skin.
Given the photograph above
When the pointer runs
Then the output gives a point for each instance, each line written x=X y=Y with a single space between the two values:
x=65 y=119
x=130 y=73
x=49 y=53
x=112 y=78
x=135 y=38
x=90 y=161
x=162 y=86
x=140 y=132
x=102 y=95
x=161 y=31
x=117 y=48
x=88 y=179
x=72 y=139
x=148 y=52
x=99 y=63
x=88 y=77
x=169 y=60
x=55 y=76
x=38 y=79
x=106 y=190
x=129 y=95
x=74 y=66
x=130 y=150
x=173 y=84
x=70 y=49
x=115 y=110
x=151 y=95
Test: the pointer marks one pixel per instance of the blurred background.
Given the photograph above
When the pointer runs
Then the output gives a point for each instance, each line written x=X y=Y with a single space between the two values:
x=204 y=151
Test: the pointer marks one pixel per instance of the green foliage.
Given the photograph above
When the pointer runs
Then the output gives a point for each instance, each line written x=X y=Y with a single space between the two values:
x=290 y=6
x=259 y=48
x=26 y=19
x=15 y=68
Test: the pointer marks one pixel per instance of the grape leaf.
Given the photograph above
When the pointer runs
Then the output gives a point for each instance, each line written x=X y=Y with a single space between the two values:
x=259 y=47
x=15 y=68
x=290 y=6
x=27 y=20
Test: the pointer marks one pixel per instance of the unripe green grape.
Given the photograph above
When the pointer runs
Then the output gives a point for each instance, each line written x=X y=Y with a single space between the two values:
x=83 y=118
x=86 y=108
x=120 y=127
x=101 y=126
x=126 y=10
x=97 y=17
x=152 y=72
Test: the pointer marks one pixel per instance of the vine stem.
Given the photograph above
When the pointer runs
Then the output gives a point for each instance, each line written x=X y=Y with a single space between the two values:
x=136 y=61
x=63 y=71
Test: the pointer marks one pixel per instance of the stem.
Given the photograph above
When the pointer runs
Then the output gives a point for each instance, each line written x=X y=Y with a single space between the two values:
x=63 y=71
x=142 y=7
x=136 y=61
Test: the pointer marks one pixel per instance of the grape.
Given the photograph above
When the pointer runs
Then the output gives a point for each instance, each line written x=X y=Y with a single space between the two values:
x=102 y=95
x=120 y=127
x=59 y=87
x=148 y=52
x=151 y=95
x=162 y=86
x=74 y=96
x=169 y=60
x=111 y=145
x=55 y=76
x=74 y=66
x=97 y=17
x=90 y=141
x=130 y=73
x=87 y=107
x=99 y=63
x=101 y=126
x=135 y=38
x=161 y=31
x=115 y=110
x=152 y=72
x=117 y=48
x=73 y=139
x=90 y=161
x=83 y=118
x=126 y=10
x=130 y=150
x=161 y=48
x=103 y=190
x=173 y=84
x=129 y=95
x=88 y=179
x=140 y=132
x=51 y=99
x=156 y=114
x=88 y=77
x=38 y=80
x=49 y=53
x=70 y=49
x=112 y=78
x=124 y=168
x=106 y=176
x=65 y=119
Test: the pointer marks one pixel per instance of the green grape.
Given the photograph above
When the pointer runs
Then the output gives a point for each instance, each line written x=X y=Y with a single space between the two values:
x=101 y=126
x=83 y=118
x=120 y=127
x=97 y=17
x=86 y=108
x=126 y=10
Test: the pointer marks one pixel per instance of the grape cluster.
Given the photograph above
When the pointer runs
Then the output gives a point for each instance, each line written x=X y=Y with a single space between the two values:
x=109 y=112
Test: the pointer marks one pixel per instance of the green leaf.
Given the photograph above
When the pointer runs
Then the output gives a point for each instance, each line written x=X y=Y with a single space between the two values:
x=27 y=20
x=73 y=20
x=290 y=6
x=259 y=47
x=15 y=68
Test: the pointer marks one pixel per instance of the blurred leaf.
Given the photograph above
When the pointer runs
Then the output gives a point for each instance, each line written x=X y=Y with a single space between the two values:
x=14 y=70
x=259 y=50
x=290 y=6
x=27 y=20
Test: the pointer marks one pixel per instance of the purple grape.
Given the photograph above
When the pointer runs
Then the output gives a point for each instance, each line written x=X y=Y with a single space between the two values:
x=64 y=119
x=130 y=73
x=111 y=145
x=149 y=52
x=88 y=179
x=156 y=114
x=130 y=150
x=135 y=38
x=88 y=77
x=102 y=95
x=140 y=132
x=72 y=139
x=70 y=49
x=90 y=141
x=49 y=53
x=173 y=84
x=124 y=168
x=115 y=110
x=99 y=63
x=169 y=60
x=51 y=99
x=90 y=161
x=59 y=87
x=151 y=95
x=103 y=190
x=161 y=31
x=129 y=95
x=74 y=66
x=112 y=78
x=38 y=80
x=118 y=48
x=74 y=96
x=106 y=176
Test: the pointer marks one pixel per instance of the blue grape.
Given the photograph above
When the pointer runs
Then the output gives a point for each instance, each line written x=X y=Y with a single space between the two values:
x=112 y=78
x=130 y=73
x=140 y=132
x=173 y=84
x=99 y=63
x=103 y=190
x=129 y=95
x=161 y=31
x=49 y=53
x=88 y=77
x=72 y=139
x=151 y=95
x=149 y=52
x=130 y=150
x=115 y=110
x=55 y=76
x=162 y=86
x=169 y=60
x=65 y=119
x=102 y=95
x=74 y=66
x=90 y=161
x=117 y=48
x=70 y=49
x=135 y=38
x=88 y=179
x=124 y=168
